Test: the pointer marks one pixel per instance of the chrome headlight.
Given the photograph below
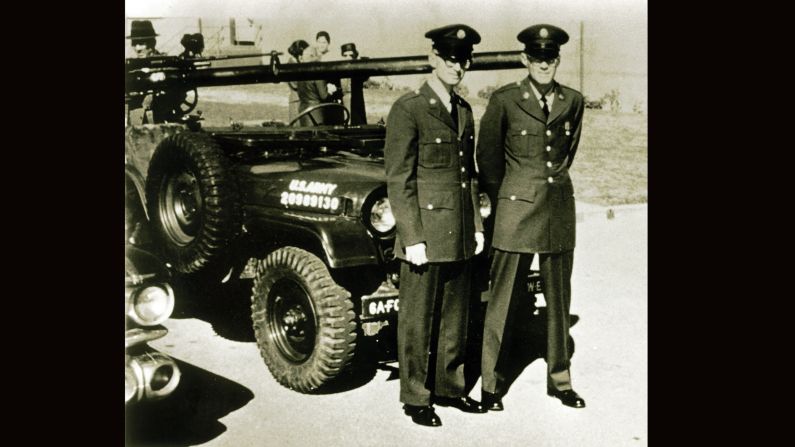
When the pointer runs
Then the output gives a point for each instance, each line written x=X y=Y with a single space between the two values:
x=485 y=205
x=151 y=305
x=381 y=218
x=150 y=376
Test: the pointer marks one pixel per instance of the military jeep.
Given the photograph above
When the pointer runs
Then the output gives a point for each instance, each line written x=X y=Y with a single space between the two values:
x=303 y=211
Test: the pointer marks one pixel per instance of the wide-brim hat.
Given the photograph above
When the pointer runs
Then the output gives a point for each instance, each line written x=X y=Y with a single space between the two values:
x=142 y=29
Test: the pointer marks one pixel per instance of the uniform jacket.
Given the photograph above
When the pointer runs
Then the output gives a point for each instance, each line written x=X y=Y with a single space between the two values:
x=524 y=160
x=431 y=180
x=312 y=93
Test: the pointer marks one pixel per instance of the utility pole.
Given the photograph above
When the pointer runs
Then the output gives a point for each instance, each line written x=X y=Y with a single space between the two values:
x=200 y=26
x=582 y=56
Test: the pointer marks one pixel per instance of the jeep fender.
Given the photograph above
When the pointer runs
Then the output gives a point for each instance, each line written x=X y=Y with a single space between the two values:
x=134 y=179
x=340 y=241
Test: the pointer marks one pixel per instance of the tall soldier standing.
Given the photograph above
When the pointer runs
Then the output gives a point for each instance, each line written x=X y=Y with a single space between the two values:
x=528 y=137
x=432 y=187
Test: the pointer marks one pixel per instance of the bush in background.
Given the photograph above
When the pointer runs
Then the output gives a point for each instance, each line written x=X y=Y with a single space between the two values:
x=486 y=92
x=384 y=84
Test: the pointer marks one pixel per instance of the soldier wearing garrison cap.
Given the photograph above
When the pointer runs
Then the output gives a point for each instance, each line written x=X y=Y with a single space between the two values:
x=433 y=191
x=528 y=138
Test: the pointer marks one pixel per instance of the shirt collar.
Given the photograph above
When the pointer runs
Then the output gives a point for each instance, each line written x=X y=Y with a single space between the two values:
x=550 y=95
x=436 y=85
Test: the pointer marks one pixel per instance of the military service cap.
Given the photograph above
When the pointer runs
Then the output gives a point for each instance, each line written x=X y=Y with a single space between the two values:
x=141 y=29
x=543 y=41
x=454 y=42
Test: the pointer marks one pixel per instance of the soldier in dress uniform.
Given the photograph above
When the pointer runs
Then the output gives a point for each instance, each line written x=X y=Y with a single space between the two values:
x=528 y=138
x=432 y=187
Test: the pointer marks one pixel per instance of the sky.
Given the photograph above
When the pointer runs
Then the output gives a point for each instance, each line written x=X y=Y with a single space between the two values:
x=615 y=31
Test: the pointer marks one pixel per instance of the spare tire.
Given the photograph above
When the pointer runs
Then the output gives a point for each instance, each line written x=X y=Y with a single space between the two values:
x=193 y=203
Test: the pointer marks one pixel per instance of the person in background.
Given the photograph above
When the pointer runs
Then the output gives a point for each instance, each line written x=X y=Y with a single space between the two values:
x=157 y=107
x=296 y=51
x=143 y=39
x=352 y=88
x=320 y=49
x=312 y=93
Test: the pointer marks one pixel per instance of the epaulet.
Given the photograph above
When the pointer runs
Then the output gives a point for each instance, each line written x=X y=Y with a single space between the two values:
x=508 y=87
x=409 y=96
x=412 y=94
x=568 y=91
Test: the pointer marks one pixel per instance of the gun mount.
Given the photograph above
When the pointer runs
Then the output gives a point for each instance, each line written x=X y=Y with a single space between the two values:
x=188 y=75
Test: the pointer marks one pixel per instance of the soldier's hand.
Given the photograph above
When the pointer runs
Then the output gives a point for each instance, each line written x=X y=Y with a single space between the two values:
x=479 y=240
x=415 y=254
x=331 y=88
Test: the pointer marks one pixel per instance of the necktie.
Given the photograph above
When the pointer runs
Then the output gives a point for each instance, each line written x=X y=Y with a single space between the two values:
x=453 y=110
x=545 y=109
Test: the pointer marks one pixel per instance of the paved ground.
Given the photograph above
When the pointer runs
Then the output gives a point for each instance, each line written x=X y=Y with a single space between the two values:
x=228 y=398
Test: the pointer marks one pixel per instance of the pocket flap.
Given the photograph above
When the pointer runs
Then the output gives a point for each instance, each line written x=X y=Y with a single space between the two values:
x=526 y=193
x=437 y=138
x=524 y=131
x=434 y=200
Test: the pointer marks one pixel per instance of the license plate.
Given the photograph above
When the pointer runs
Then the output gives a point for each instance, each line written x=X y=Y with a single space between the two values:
x=381 y=304
x=534 y=282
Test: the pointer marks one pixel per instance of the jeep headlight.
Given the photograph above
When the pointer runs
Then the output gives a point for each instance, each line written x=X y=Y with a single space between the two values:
x=485 y=205
x=381 y=218
x=151 y=305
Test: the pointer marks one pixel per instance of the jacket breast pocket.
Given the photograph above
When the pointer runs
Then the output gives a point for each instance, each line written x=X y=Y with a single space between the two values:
x=522 y=141
x=436 y=151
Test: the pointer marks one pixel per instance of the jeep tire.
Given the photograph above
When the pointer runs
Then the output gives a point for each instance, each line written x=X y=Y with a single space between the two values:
x=304 y=322
x=192 y=199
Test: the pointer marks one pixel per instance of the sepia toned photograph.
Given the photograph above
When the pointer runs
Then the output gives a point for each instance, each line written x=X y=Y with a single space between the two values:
x=386 y=223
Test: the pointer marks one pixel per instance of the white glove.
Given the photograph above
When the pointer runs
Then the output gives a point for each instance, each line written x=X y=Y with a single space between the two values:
x=415 y=254
x=331 y=88
x=479 y=240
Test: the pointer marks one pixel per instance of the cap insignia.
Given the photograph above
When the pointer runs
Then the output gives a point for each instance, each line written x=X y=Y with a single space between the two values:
x=543 y=33
x=461 y=34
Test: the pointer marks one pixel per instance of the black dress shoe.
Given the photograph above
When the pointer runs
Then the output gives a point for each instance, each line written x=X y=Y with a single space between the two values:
x=422 y=415
x=490 y=401
x=569 y=398
x=464 y=404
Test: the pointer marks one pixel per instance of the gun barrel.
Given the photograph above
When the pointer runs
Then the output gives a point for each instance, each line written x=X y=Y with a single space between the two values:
x=275 y=72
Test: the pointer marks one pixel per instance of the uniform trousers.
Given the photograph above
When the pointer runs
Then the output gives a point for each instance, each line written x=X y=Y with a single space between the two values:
x=432 y=330
x=509 y=272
